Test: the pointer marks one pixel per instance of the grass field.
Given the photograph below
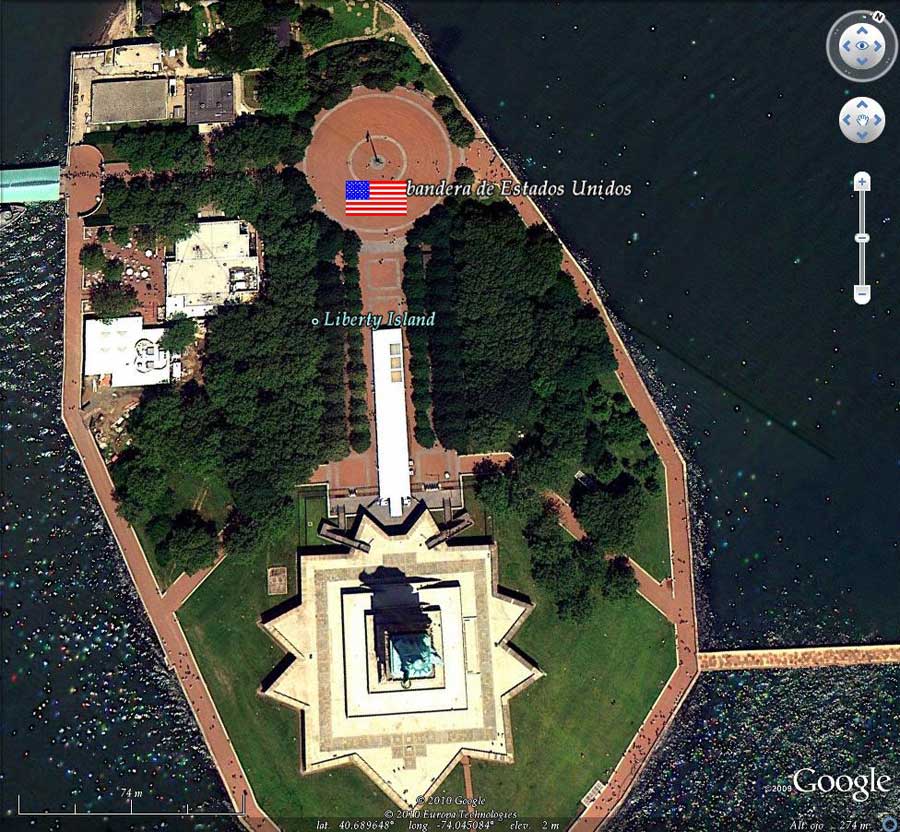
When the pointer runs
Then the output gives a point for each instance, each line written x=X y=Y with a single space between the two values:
x=346 y=22
x=651 y=539
x=210 y=498
x=311 y=509
x=572 y=726
x=234 y=655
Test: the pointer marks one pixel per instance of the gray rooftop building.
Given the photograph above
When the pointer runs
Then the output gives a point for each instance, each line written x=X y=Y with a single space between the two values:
x=209 y=100
x=119 y=100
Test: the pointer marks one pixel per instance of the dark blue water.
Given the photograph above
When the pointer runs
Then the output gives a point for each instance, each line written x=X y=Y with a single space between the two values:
x=89 y=709
x=730 y=267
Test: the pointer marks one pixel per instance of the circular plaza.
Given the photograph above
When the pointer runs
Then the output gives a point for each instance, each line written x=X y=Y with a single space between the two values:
x=379 y=136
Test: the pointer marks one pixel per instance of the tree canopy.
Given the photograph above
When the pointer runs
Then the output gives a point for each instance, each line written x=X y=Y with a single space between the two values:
x=459 y=128
x=191 y=543
x=175 y=30
x=160 y=147
x=111 y=300
x=180 y=333
x=284 y=88
x=92 y=257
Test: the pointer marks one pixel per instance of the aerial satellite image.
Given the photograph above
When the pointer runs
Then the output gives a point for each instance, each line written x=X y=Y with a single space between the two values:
x=449 y=416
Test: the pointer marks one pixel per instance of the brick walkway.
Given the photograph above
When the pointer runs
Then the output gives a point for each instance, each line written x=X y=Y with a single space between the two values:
x=160 y=611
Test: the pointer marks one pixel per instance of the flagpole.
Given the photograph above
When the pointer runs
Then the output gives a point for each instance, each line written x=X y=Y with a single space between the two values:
x=375 y=159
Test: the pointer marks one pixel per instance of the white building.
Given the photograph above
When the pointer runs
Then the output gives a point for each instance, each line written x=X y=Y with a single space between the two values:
x=391 y=431
x=406 y=731
x=215 y=265
x=128 y=352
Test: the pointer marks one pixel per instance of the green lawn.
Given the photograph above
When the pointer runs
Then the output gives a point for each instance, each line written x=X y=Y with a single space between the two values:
x=210 y=498
x=346 y=22
x=651 y=539
x=311 y=509
x=234 y=655
x=249 y=80
x=572 y=726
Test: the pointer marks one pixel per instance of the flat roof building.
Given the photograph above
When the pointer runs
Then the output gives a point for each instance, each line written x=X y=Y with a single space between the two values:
x=401 y=656
x=38 y=184
x=215 y=265
x=127 y=351
x=209 y=100
x=391 y=429
x=120 y=100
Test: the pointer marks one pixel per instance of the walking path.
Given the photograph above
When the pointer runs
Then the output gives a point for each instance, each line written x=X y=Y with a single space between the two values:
x=795 y=657
x=658 y=593
x=160 y=610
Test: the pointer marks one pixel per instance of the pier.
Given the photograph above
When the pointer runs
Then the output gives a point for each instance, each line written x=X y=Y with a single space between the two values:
x=797 y=657
x=29 y=184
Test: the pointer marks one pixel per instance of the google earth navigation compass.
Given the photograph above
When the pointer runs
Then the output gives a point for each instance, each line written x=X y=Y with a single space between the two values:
x=862 y=184
x=862 y=46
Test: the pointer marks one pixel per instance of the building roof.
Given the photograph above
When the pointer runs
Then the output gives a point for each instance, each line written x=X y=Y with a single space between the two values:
x=119 y=100
x=209 y=100
x=403 y=733
x=212 y=266
x=391 y=430
x=39 y=184
x=138 y=56
x=127 y=350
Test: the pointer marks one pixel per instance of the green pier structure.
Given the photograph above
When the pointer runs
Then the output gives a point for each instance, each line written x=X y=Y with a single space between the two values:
x=35 y=184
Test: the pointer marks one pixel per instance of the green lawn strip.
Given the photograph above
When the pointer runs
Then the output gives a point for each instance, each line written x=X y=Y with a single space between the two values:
x=214 y=507
x=572 y=726
x=234 y=655
x=311 y=509
x=249 y=81
x=651 y=539
x=346 y=22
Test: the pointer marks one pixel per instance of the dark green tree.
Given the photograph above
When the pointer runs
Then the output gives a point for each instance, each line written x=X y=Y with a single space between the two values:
x=284 y=88
x=459 y=128
x=161 y=147
x=175 y=30
x=191 y=544
x=251 y=142
x=180 y=333
x=112 y=300
x=610 y=513
x=464 y=175
x=315 y=25
x=92 y=258
x=619 y=580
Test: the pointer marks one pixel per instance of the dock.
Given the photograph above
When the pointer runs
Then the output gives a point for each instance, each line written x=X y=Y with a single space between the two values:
x=21 y=185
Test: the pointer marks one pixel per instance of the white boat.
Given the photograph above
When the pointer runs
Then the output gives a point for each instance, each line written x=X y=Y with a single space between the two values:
x=9 y=214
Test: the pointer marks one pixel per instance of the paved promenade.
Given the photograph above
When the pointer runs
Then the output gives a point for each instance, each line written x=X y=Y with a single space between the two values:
x=795 y=657
x=484 y=159
x=85 y=169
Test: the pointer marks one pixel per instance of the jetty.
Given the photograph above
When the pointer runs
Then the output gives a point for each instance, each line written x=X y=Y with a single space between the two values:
x=20 y=185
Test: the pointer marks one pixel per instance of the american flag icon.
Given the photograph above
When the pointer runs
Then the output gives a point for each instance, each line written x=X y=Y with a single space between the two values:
x=375 y=198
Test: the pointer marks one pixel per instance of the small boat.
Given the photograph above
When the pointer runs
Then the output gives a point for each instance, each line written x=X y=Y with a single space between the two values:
x=9 y=214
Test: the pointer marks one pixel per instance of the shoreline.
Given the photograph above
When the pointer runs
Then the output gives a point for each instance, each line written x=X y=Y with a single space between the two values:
x=161 y=613
x=116 y=26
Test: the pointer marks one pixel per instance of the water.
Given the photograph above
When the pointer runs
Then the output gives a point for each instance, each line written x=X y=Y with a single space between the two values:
x=787 y=407
x=36 y=38
x=730 y=267
x=739 y=739
x=89 y=709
